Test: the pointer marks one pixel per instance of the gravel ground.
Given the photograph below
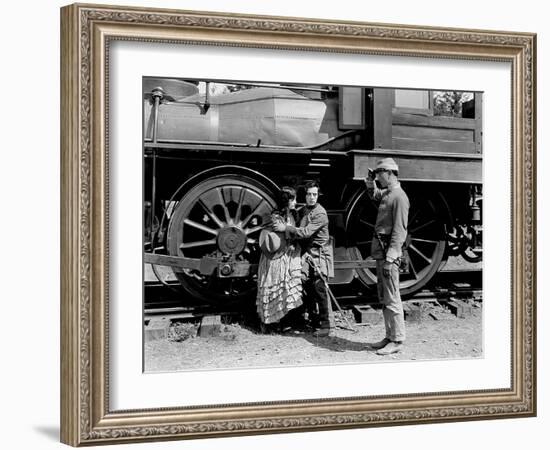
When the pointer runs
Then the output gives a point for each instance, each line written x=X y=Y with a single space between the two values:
x=438 y=335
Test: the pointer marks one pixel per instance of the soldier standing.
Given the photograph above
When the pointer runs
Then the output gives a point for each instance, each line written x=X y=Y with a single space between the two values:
x=313 y=234
x=390 y=232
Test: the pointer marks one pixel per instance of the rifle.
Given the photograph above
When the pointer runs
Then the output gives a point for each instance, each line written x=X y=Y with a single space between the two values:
x=317 y=270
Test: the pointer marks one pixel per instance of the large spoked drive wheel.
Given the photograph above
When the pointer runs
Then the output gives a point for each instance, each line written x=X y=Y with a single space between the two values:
x=220 y=217
x=426 y=239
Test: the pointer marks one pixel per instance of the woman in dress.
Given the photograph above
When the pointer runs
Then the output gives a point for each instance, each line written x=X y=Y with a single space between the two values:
x=279 y=271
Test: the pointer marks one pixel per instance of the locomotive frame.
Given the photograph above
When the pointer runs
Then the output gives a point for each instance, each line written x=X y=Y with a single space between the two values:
x=86 y=415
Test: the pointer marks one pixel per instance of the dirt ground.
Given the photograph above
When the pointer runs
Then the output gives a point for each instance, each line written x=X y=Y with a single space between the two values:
x=438 y=335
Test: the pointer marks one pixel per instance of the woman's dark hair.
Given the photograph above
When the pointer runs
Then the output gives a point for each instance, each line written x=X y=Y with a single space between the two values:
x=286 y=194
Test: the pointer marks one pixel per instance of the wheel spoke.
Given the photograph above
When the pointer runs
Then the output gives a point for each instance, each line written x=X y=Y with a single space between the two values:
x=363 y=242
x=200 y=226
x=413 y=270
x=253 y=230
x=364 y=222
x=411 y=221
x=198 y=244
x=211 y=214
x=422 y=226
x=424 y=240
x=412 y=247
x=243 y=222
x=242 y=195
x=228 y=219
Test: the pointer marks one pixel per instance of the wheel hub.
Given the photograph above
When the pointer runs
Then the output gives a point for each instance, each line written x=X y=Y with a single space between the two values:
x=231 y=240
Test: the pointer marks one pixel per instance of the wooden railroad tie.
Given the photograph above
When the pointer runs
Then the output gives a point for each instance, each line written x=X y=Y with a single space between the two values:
x=413 y=313
x=210 y=326
x=459 y=308
x=157 y=328
x=366 y=314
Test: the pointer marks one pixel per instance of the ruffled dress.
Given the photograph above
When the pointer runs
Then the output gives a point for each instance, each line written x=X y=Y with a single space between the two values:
x=279 y=282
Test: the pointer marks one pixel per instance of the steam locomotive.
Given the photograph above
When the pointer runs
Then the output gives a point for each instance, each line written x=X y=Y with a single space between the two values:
x=216 y=154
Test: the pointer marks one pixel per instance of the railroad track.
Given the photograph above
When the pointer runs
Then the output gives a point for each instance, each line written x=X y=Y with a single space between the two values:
x=165 y=302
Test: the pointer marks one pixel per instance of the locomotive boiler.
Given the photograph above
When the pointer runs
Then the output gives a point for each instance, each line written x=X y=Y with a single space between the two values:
x=216 y=153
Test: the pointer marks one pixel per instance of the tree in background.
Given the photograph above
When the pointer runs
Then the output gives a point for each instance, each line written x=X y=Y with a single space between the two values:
x=449 y=103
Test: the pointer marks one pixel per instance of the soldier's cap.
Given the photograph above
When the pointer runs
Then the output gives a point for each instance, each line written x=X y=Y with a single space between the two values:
x=387 y=164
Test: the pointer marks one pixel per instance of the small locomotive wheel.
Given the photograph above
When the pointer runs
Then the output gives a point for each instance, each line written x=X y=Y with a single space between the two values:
x=425 y=241
x=220 y=217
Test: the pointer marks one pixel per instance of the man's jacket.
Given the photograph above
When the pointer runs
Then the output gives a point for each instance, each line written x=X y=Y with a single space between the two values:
x=314 y=238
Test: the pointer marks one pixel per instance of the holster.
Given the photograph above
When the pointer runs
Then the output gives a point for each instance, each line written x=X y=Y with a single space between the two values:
x=403 y=261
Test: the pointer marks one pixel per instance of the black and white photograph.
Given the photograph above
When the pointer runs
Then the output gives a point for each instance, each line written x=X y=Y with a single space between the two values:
x=291 y=224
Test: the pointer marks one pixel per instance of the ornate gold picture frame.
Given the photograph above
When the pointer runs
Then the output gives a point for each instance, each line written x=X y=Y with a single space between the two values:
x=87 y=32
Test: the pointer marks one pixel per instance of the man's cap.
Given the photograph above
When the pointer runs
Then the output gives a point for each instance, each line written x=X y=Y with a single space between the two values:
x=271 y=242
x=387 y=164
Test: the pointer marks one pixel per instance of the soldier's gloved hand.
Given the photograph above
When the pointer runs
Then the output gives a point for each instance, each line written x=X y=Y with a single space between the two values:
x=386 y=269
x=279 y=227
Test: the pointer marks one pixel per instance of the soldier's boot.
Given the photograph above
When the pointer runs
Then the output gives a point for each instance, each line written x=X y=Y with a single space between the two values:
x=378 y=345
x=390 y=348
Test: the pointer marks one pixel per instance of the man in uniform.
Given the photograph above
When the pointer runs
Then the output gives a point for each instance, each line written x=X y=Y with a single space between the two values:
x=318 y=265
x=390 y=232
